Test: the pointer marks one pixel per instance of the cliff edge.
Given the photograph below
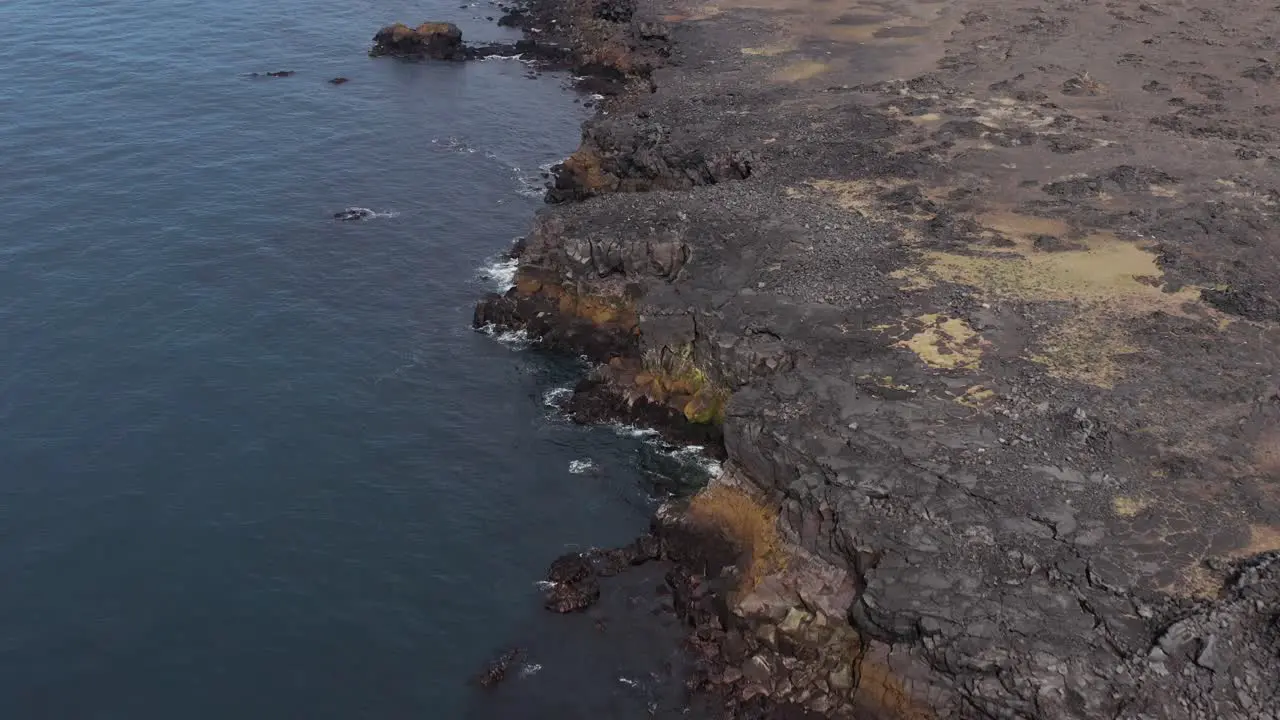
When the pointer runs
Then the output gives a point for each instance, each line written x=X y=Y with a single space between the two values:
x=982 y=299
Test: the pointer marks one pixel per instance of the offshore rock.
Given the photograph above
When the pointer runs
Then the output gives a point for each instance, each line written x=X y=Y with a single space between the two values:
x=574 y=596
x=496 y=671
x=435 y=40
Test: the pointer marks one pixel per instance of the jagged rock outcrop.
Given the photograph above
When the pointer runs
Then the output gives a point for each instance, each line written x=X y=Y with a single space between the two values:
x=637 y=155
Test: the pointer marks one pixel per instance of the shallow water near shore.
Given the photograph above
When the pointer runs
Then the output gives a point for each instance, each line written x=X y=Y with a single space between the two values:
x=257 y=463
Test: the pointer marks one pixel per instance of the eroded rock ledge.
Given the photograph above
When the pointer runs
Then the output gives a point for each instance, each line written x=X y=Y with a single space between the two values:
x=981 y=301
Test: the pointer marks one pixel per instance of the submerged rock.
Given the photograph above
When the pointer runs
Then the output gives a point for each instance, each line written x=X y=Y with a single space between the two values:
x=496 y=671
x=435 y=40
x=338 y=81
x=351 y=214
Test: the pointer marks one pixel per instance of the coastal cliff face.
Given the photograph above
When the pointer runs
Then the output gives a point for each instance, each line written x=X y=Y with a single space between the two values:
x=981 y=301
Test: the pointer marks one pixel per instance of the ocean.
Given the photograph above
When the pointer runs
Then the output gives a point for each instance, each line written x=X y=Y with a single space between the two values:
x=256 y=462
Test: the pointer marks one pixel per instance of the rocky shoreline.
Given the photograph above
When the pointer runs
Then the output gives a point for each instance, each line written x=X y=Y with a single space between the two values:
x=981 y=302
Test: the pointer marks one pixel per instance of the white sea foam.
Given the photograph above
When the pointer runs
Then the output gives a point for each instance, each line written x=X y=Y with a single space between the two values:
x=629 y=682
x=501 y=272
x=633 y=431
x=363 y=213
x=581 y=467
x=555 y=397
x=530 y=669
x=533 y=184
x=692 y=455
x=521 y=58
x=515 y=339
x=455 y=144
x=545 y=585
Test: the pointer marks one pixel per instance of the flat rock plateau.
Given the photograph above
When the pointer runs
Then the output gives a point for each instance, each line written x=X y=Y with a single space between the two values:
x=983 y=301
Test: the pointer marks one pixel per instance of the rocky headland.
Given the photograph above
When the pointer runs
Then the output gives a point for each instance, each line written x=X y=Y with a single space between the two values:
x=980 y=302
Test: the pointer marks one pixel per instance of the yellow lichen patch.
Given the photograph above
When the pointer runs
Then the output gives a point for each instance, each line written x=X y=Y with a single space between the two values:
x=674 y=373
x=884 y=381
x=946 y=343
x=707 y=406
x=912 y=280
x=1128 y=506
x=976 y=396
x=745 y=521
x=1108 y=279
x=885 y=386
x=802 y=70
x=1107 y=269
x=925 y=119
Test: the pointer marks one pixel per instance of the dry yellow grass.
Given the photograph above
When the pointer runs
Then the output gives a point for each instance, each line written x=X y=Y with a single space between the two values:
x=1128 y=506
x=976 y=396
x=802 y=70
x=1108 y=269
x=751 y=525
x=946 y=343
x=768 y=50
x=1108 y=280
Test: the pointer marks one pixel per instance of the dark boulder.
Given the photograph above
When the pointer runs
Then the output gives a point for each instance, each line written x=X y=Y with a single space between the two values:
x=573 y=597
x=615 y=11
x=438 y=41
x=569 y=568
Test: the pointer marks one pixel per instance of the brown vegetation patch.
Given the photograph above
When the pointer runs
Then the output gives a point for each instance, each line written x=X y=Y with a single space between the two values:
x=748 y=523
x=600 y=310
x=1262 y=538
x=880 y=691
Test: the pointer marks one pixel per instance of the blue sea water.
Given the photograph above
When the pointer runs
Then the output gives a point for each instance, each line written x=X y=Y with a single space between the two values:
x=254 y=463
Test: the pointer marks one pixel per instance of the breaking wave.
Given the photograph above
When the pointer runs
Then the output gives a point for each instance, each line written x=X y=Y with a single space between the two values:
x=501 y=272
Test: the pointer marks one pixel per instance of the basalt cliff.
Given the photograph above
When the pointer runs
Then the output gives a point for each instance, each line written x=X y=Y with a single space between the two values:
x=981 y=301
